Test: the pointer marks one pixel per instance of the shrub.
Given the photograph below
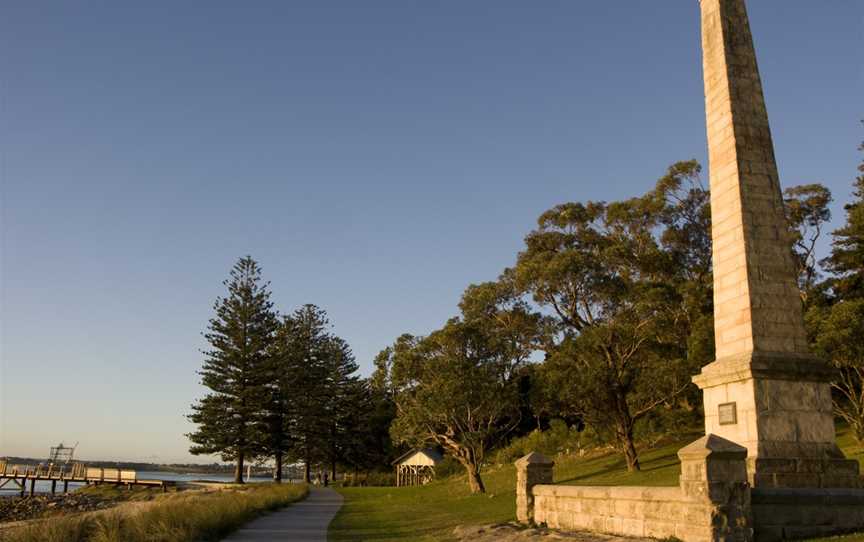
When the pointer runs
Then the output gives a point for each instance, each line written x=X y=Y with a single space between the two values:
x=448 y=467
x=673 y=424
x=372 y=479
x=558 y=439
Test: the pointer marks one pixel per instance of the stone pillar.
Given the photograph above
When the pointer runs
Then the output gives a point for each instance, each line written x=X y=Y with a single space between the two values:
x=765 y=390
x=535 y=468
x=714 y=472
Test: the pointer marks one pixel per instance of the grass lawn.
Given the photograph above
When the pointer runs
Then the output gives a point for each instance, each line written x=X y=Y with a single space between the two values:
x=430 y=513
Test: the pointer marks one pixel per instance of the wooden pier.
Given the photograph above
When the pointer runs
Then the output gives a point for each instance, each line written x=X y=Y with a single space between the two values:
x=78 y=473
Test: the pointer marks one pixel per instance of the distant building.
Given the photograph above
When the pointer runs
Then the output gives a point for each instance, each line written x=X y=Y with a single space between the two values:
x=416 y=467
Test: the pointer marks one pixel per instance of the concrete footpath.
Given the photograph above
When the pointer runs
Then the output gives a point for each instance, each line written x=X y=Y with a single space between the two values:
x=305 y=521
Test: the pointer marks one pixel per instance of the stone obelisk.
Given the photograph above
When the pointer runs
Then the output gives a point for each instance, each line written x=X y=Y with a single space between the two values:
x=765 y=391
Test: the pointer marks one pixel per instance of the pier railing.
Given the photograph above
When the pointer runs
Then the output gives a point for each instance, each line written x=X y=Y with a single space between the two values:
x=76 y=471
x=18 y=475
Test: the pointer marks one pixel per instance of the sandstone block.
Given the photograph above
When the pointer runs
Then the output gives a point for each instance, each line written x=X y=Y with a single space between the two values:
x=531 y=470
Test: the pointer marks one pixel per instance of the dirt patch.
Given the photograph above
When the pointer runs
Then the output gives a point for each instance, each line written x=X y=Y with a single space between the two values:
x=515 y=532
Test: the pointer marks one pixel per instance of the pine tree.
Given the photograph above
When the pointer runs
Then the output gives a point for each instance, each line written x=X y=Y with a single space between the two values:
x=317 y=412
x=365 y=443
x=344 y=390
x=847 y=254
x=236 y=370
x=835 y=319
x=303 y=346
x=277 y=413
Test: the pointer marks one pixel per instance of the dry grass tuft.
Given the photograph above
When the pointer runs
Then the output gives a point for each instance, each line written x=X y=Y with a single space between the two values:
x=180 y=518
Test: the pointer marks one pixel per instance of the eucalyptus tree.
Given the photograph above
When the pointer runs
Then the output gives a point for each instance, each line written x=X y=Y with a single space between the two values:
x=626 y=284
x=807 y=212
x=457 y=387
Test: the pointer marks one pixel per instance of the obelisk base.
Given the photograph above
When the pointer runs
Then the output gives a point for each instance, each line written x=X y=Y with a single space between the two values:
x=779 y=408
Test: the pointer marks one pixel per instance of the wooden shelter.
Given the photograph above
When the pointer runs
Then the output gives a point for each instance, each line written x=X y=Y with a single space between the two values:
x=416 y=467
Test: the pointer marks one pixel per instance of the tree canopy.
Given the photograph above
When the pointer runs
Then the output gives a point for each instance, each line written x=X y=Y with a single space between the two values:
x=626 y=282
x=835 y=311
x=279 y=387
x=457 y=387
x=601 y=321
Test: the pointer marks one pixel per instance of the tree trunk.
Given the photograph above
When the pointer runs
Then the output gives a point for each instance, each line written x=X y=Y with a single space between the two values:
x=856 y=419
x=857 y=406
x=474 y=480
x=849 y=405
x=307 y=472
x=624 y=431
x=624 y=434
x=468 y=458
x=238 y=472
x=630 y=453
x=333 y=471
x=277 y=474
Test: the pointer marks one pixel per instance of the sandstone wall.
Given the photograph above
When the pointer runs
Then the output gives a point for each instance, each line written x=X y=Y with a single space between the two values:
x=711 y=502
x=785 y=514
x=657 y=512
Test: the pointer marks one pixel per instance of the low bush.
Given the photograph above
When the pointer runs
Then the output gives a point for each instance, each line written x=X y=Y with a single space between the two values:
x=176 y=518
x=667 y=424
x=448 y=467
x=558 y=439
x=370 y=479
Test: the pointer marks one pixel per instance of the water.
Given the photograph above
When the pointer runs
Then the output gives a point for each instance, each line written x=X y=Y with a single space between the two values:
x=10 y=490
x=45 y=487
x=193 y=476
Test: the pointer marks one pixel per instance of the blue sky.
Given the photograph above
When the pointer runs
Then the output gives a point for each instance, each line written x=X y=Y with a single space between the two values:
x=376 y=157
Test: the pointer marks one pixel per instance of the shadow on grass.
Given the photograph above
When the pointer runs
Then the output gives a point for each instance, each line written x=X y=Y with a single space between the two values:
x=615 y=472
x=660 y=466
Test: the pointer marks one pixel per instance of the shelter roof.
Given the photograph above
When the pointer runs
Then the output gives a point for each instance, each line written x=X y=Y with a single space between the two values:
x=433 y=454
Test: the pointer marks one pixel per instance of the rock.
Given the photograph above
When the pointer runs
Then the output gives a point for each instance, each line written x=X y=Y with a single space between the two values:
x=516 y=532
x=21 y=508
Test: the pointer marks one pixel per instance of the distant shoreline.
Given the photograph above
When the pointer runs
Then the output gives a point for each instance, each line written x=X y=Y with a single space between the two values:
x=178 y=468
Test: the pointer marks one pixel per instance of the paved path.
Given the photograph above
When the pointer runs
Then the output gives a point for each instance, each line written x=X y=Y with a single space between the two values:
x=305 y=521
